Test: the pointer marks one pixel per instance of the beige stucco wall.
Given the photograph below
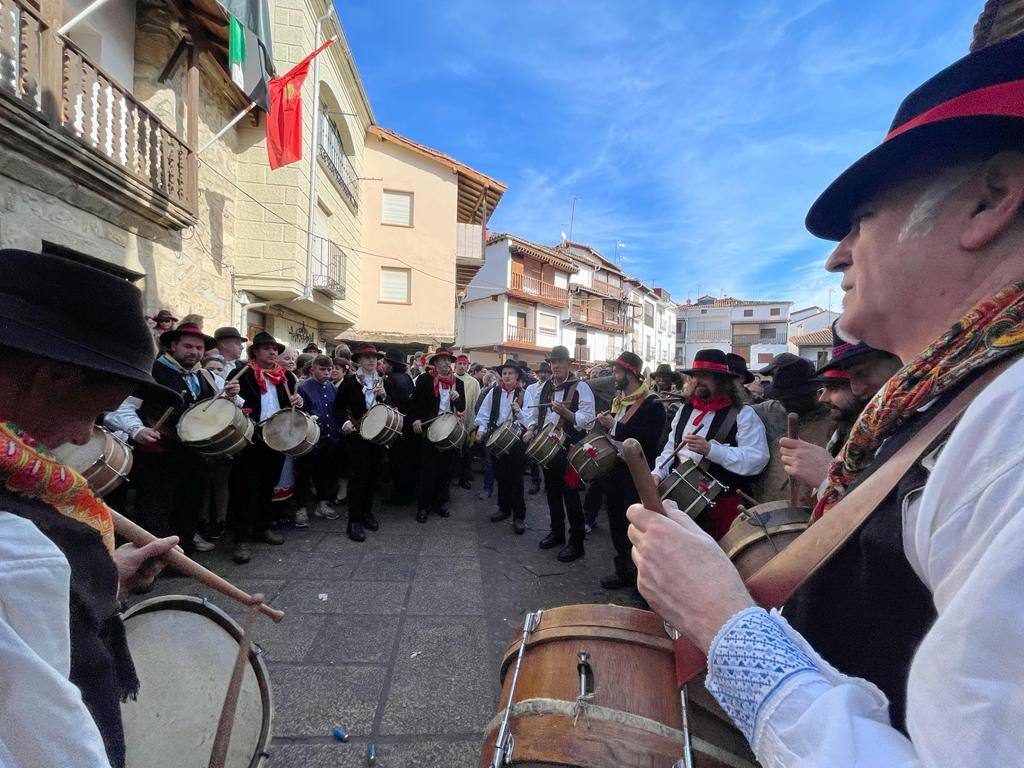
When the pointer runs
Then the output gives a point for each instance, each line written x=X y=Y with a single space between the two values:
x=428 y=247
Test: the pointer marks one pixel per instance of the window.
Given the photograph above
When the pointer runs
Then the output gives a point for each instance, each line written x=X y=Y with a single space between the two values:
x=763 y=358
x=768 y=335
x=547 y=324
x=776 y=311
x=748 y=313
x=561 y=280
x=394 y=285
x=397 y=208
x=648 y=314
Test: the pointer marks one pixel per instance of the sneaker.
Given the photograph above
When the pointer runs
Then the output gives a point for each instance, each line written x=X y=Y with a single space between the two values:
x=324 y=510
x=301 y=519
x=241 y=555
x=201 y=544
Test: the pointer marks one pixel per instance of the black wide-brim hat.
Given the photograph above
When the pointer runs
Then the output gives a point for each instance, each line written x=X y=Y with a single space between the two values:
x=739 y=366
x=169 y=337
x=975 y=108
x=43 y=300
x=710 y=361
x=560 y=354
x=396 y=358
x=518 y=366
x=366 y=350
x=793 y=379
x=442 y=352
x=265 y=338
x=631 y=362
x=844 y=352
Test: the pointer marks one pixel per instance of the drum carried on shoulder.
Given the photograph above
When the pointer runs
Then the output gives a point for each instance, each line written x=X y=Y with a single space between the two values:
x=505 y=437
x=291 y=432
x=691 y=488
x=547 y=445
x=594 y=686
x=446 y=432
x=382 y=425
x=184 y=650
x=593 y=457
x=215 y=428
x=104 y=461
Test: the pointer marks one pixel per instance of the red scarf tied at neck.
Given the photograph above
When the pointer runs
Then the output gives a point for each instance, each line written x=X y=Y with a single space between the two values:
x=712 y=404
x=274 y=375
x=448 y=382
x=512 y=388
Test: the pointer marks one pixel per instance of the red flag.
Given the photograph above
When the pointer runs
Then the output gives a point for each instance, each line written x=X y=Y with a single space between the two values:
x=284 y=121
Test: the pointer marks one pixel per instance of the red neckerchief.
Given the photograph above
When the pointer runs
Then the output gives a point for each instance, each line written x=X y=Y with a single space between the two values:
x=274 y=375
x=704 y=407
x=513 y=388
x=448 y=382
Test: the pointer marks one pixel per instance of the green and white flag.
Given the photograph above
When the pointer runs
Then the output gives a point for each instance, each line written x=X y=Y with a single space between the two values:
x=250 y=62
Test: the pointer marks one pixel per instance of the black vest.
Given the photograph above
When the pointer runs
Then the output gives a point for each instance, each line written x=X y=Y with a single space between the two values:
x=150 y=411
x=866 y=611
x=101 y=665
x=496 y=394
x=547 y=395
x=720 y=473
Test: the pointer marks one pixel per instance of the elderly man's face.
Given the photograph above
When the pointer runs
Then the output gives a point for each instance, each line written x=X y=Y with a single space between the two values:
x=560 y=369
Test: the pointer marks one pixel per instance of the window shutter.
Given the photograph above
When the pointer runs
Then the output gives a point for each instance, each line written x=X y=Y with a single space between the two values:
x=394 y=285
x=397 y=208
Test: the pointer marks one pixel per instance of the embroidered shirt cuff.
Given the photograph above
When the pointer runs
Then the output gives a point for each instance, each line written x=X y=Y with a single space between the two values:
x=749 y=659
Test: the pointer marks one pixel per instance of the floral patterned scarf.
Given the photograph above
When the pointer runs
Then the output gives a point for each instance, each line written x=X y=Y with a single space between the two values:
x=992 y=330
x=29 y=470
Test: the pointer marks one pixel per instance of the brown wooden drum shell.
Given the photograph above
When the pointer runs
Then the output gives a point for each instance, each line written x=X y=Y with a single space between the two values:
x=543 y=449
x=600 y=460
x=749 y=547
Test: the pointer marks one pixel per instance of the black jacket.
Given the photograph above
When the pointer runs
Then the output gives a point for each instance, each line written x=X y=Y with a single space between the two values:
x=350 y=405
x=399 y=386
x=151 y=410
x=425 y=405
x=249 y=390
x=645 y=425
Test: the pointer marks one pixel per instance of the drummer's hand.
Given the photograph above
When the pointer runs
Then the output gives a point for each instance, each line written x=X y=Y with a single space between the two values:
x=528 y=436
x=378 y=390
x=138 y=566
x=805 y=461
x=348 y=427
x=562 y=409
x=147 y=436
x=417 y=427
x=697 y=444
x=606 y=420
x=231 y=388
x=455 y=395
x=684 y=574
x=296 y=400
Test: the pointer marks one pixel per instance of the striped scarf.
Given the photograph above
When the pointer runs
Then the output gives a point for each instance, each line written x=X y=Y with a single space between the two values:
x=992 y=330
x=29 y=470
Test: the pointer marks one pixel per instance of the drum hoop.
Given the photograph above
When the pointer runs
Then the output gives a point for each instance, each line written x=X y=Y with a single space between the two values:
x=204 y=607
x=757 y=534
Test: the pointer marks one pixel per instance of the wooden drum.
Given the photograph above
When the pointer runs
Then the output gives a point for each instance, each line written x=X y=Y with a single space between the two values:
x=692 y=489
x=382 y=425
x=505 y=437
x=547 y=445
x=446 y=432
x=633 y=717
x=104 y=461
x=215 y=427
x=757 y=535
x=595 y=456
x=291 y=432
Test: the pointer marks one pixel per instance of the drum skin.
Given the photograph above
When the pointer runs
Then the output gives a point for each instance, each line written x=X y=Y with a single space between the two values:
x=446 y=432
x=747 y=544
x=104 y=461
x=291 y=432
x=382 y=425
x=184 y=649
x=635 y=718
x=215 y=428
x=593 y=457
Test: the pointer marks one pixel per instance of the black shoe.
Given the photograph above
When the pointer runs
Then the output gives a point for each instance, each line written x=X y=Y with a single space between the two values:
x=370 y=522
x=442 y=511
x=570 y=552
x=534 y=488
x=500 y=515
x=465 y=484
x=269 y=537
x=241 y=555
x=618 y=581
x=519 y=526
x=552 y=540
x=421 y=516
x=355 y=532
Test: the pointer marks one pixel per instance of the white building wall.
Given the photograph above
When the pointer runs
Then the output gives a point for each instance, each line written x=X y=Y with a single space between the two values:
x=482 y=323
x=494 y=276
x=108 y=36
x=690 y=350
x=817 y=322
x=544 y=339
x=761 y=313
x=756 y=350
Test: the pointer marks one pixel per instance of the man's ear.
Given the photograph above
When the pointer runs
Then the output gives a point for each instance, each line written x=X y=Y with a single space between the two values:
x=999 y=197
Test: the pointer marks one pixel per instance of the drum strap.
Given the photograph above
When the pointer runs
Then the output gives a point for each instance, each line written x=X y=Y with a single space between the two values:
x=780 y=577
x=722 y=434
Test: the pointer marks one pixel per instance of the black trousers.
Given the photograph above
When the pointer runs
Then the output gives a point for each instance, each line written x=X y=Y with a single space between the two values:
x=251 y=487
x=364 y=461
x=466 y=461
x=593 y=499
x=435 y=474
x=563 y=502
x=169 y=492
x=508 y=471
x=404 y=456
x=316 y=474
x=620 y=493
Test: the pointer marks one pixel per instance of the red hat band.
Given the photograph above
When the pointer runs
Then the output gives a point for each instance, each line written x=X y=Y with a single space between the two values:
x=1000 y=100
x=719 y=367
x=623 y=364
x=835 y=373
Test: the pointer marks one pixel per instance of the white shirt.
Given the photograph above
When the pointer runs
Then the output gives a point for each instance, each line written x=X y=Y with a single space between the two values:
x=483 y=416
x=269 y=404
x=43 y=721
x=747 y=458
x=584 y=416
x=964 y=538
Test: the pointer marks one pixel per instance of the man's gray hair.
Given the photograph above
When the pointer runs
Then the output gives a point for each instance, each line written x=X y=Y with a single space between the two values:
x=943 y=186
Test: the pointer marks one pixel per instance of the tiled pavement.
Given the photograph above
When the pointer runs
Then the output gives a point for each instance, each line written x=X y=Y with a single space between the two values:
x=404 y=651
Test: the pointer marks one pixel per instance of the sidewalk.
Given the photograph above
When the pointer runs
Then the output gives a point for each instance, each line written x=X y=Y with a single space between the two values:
x=404 y=651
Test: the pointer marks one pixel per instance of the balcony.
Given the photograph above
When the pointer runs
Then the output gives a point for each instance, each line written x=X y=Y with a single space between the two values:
x=518 y=334
x=612 y=290
x=533 y=289
x=599 y=318
x=81 y=121
x=583 y=354
x=329 y=268
x=695 y=335
x=750 y=339
x=335 y=160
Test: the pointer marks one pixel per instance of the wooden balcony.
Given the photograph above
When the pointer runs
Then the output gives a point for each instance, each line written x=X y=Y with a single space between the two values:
x=749 y=339
x=60 y=106
x=519 y=337
x=533 y=289
x=616 y=322
x=607 y=289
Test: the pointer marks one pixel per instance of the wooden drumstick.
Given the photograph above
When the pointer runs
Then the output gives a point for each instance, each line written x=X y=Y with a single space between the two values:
x=222 y=740
x=793 y=433
x=633 y=453
x=140 y=537
x=160 y=422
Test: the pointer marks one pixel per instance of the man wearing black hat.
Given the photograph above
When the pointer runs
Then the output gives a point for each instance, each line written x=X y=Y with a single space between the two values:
x=635 y=412
x=265 y=387
x=664 y=379
x=229 y=344
x=504 y=402
x=568 y=402
x=902 y=647
x=715 y=428
x=532 y=393
x=64 y=661
x=404 y=453
x=437 y=391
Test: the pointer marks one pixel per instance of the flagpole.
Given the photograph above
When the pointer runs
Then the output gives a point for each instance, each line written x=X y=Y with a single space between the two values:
x=228 y=127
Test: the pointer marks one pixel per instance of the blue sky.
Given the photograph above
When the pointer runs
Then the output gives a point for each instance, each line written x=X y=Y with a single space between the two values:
x=696 y=133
